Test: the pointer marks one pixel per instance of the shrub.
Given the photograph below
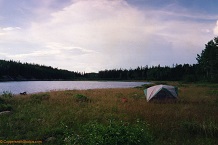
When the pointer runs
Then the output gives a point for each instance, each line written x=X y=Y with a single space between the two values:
x=39 y=97
x=5 y=107
x=81 y=98
x=2 y=101
x=115 y=133
x=7 y=95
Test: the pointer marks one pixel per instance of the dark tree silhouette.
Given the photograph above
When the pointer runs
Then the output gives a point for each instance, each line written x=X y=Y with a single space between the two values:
x=208 y=61
x=12 y=70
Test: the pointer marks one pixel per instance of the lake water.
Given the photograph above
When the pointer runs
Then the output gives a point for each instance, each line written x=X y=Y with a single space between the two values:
x=45 y=86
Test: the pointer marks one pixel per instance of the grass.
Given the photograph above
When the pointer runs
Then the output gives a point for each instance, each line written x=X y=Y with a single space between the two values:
x=72 y=115
x=114 y=132
x=4 y=105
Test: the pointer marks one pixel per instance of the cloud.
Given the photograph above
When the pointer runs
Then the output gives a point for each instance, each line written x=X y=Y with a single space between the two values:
x=95 y=35
x=10 y=28
x=6 y=30
x=107 y=28
x=215 y=30
x=90 y=21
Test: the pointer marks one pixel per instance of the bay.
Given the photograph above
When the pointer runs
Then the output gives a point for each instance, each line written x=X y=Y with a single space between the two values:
x=45 y=86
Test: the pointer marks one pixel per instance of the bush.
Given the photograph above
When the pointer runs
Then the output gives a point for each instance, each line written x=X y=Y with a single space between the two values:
x=5 y=107
x=7 y=95
x=81 y=98
x=39 y=97
x=114 y=133
x=2 y=101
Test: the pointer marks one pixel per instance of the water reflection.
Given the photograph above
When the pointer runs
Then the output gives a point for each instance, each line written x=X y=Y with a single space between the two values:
x=44 y=86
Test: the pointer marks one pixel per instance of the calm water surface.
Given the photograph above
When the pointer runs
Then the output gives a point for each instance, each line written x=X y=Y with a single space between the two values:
x=44 y=86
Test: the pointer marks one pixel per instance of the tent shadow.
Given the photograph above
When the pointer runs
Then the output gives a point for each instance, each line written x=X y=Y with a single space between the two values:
x=164 y=101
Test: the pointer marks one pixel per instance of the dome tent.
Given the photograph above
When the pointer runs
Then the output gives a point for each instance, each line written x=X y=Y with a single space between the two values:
x=161 y=92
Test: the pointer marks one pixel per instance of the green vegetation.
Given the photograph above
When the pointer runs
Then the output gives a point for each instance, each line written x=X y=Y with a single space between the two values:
x=208 y=61
x=65 y=117
x=13 y=71
x=5 y=107
x=7 y=95
x=81 y=98
x=38 y=98
x=208 y=129
x=4 y=99
x=112 y=133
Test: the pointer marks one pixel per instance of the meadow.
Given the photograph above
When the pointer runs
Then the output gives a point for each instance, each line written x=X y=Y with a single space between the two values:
x=103 y=116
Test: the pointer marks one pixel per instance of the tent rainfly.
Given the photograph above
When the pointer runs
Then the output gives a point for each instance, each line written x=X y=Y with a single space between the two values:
x=161 y=92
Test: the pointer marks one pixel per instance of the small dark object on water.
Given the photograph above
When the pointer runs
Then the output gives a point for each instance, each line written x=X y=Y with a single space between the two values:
x=24 y=93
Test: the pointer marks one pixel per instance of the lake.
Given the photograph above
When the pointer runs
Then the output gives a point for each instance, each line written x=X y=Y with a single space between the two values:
x=45 y=86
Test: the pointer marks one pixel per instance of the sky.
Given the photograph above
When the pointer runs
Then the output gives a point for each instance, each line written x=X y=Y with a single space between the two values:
x=94 y=35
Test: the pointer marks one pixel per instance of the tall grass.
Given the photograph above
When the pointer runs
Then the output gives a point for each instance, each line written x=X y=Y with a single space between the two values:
x=40 y=116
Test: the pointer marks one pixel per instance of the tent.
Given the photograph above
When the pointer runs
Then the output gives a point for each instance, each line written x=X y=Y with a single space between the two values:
x=161 y=92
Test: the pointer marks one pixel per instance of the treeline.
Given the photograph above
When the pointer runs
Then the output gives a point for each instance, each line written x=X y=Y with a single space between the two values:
x=17 y=71
x=179 y=72
x=12 y=71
